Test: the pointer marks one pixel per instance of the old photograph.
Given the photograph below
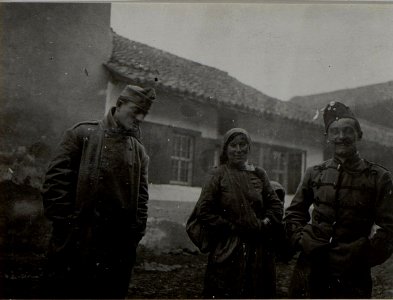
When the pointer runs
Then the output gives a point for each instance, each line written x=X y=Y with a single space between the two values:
x=182 y=150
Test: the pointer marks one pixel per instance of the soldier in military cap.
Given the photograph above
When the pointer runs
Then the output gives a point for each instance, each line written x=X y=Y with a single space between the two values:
x=95 y=193
x=350 y=228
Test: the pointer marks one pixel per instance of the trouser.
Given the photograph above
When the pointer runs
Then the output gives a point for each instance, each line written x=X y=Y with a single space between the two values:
x=312 y=278
x=88 y=278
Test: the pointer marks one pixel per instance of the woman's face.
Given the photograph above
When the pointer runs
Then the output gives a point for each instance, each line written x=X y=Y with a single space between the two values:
x=238 y=150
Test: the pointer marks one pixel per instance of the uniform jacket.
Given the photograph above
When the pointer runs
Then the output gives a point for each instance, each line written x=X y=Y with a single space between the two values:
x=352 y=215
x=97 y=168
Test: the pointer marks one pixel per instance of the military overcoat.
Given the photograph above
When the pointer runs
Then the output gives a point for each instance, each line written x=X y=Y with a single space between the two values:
x=97 y=178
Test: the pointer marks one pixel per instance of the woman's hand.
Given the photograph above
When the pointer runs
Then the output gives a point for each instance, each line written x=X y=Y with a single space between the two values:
x=265 y=224
x=262 y=227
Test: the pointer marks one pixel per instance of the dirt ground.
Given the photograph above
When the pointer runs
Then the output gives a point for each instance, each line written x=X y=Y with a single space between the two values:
x=180 y=276
x=174 y=275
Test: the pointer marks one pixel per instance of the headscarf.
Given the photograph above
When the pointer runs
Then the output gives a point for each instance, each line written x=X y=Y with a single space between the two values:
x=228 y=137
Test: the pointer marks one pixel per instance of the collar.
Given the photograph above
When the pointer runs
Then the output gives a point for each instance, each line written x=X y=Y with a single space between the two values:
x=246 y=167
x=112 y=126
x=109 y=120
x=351 y=164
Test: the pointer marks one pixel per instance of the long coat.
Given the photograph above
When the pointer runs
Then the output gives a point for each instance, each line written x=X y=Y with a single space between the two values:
x=241 y=261
x=95 y=193
x=350 y=228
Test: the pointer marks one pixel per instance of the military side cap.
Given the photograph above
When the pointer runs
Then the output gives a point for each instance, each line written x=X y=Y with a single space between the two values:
x=141 y=97
x=336 y=110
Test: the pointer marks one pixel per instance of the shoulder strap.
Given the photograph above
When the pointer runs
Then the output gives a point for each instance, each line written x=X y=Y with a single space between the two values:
x=374 y=165
x=92 y=122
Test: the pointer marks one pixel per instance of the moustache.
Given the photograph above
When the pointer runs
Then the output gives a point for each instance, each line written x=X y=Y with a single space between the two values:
x=345 y=142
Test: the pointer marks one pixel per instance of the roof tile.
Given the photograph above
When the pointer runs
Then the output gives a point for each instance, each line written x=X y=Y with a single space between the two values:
x=141 y=62
x=136 y=60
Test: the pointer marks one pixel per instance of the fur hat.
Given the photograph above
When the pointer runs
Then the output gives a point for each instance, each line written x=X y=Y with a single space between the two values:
x=336 y=110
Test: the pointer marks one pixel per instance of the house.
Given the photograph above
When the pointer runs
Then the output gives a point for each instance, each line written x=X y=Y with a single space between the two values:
x=197 y=104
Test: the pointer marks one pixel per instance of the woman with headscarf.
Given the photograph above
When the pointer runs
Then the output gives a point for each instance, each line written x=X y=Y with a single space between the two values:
x=233 y=220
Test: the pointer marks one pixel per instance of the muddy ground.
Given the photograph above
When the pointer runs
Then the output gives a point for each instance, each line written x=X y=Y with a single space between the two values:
x=180 y=275
x=175 y=275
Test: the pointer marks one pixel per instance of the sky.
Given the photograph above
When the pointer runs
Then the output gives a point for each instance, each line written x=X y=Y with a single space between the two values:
x=283 y=50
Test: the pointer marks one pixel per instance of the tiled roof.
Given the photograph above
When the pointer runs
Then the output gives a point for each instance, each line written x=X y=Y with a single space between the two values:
x=377 y=133
x=368 y=95
x=138 y=62
x=371 y=102
x=142 y=63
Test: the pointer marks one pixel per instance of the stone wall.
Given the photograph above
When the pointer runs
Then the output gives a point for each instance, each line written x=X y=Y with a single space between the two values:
x=51 y=76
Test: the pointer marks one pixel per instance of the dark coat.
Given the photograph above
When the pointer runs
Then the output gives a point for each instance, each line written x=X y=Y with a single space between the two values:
x=96 y=192
x=350 y=228
x=241 y=260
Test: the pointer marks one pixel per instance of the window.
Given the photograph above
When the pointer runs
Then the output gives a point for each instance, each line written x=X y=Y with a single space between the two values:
x=209 y=159
x=227 y=119
x=284 y=165
x=181 y=159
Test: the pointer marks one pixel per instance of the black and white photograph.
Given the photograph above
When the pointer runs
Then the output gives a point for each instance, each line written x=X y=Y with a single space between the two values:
x=184 y=150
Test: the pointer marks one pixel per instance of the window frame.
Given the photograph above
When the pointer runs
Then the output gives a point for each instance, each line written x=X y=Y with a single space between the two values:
x=189 y=160
x=266 y=159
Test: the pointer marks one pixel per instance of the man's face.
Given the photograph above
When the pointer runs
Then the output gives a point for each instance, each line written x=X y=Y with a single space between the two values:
x=129 y=115
x=343 y=135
